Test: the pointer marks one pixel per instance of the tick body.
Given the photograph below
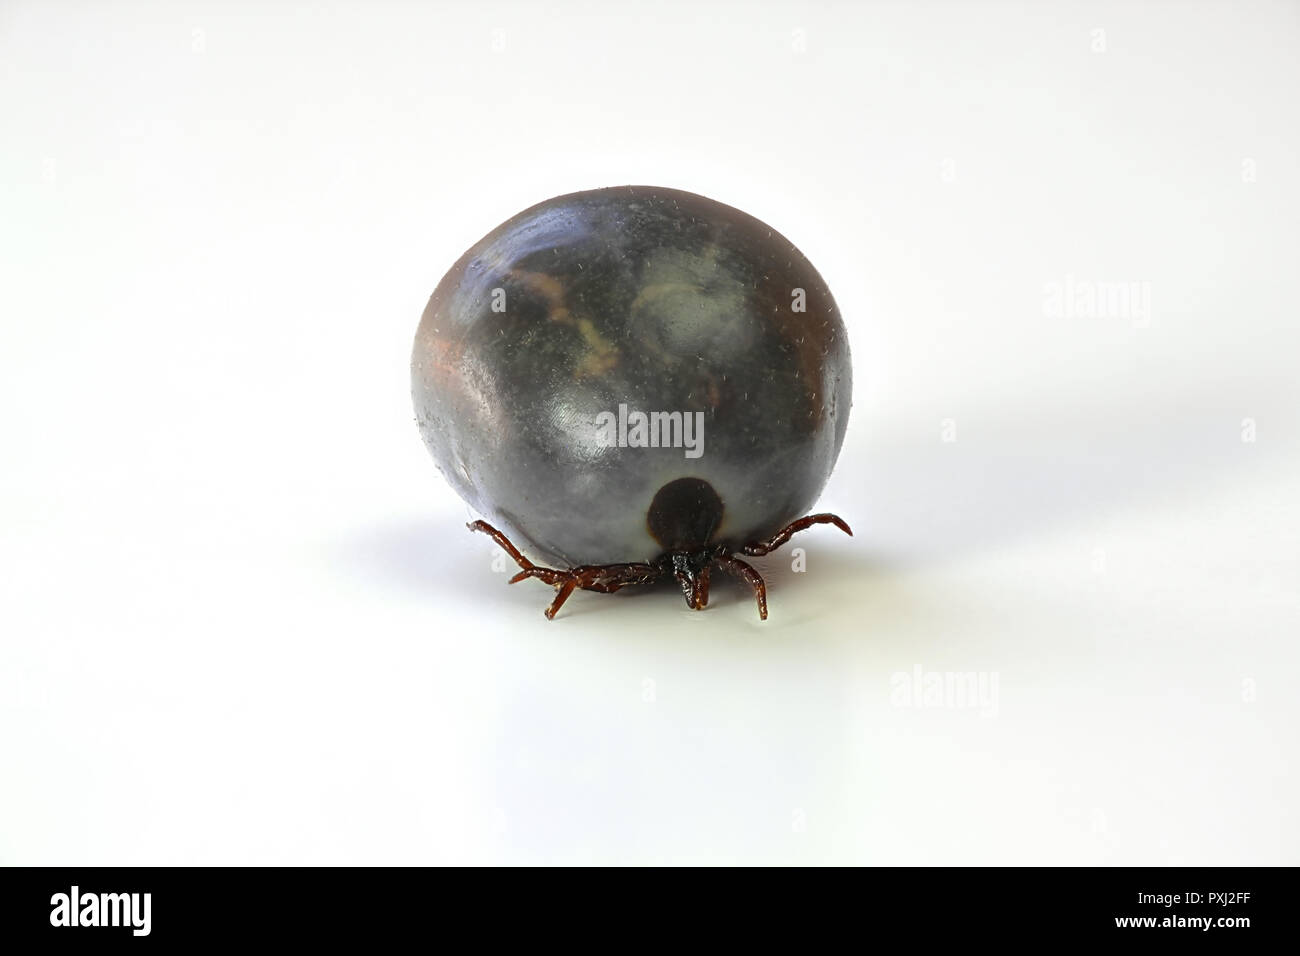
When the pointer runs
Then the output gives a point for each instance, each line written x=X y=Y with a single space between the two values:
x=634 y=383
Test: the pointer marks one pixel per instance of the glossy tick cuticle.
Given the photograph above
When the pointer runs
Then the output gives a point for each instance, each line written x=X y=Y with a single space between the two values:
x=638 y=384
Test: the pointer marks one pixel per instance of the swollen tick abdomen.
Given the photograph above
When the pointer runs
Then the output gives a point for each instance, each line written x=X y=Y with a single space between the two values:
x=636 y=383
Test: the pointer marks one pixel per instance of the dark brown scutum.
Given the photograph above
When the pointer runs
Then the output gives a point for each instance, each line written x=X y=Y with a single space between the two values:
x=684 y=515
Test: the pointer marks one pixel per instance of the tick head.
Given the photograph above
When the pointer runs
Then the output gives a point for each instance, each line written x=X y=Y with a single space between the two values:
x=691 y=569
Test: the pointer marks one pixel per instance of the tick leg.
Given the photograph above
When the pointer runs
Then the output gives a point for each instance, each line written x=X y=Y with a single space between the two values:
x=550 y=575
x=747 y=574
x=761 y=548
x=565 y=590
x=502 y=540
x=606 y=578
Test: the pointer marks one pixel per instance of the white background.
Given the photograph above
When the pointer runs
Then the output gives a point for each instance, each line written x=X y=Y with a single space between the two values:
x=242 y=621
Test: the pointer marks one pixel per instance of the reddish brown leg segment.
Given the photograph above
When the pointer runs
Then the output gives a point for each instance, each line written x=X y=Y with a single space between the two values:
x=549 y=575
x=590 y=577
x=565 y=590
x=747 y=574
x=502 y=540
x=609 y=578
x=760 y=548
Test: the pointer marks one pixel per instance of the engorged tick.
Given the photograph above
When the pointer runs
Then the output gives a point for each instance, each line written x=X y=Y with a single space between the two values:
x=544 y=343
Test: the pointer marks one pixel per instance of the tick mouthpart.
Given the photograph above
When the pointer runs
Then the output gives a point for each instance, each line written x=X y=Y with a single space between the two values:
x=691 y=569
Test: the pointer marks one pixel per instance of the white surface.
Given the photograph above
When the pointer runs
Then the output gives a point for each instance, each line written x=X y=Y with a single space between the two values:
x=241 y=618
